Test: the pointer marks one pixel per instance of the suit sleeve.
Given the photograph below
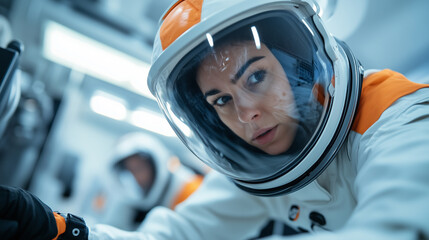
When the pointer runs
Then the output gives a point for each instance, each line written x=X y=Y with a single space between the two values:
x=24 y=216
x=217 y=210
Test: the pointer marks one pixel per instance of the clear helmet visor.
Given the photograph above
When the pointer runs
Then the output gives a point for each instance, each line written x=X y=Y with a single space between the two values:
x=251 y=100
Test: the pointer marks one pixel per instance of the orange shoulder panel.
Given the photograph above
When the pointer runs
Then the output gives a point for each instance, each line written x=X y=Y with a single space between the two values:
x=61 y=224
x=379 y=91
x=182 y=16
x=187 y=190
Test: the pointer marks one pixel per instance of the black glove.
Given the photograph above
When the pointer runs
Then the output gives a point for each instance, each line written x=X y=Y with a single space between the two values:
x=24 y=216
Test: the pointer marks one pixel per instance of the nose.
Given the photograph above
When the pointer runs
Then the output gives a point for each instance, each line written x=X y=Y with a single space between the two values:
x=247 y=111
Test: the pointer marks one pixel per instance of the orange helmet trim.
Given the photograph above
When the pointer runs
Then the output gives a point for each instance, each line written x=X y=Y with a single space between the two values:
x=182 y=15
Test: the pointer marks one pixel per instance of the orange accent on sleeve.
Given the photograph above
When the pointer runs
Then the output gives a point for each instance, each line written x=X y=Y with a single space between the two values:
x=187 y=190
x=182 y=16
x=61 y=224
x=379 y=91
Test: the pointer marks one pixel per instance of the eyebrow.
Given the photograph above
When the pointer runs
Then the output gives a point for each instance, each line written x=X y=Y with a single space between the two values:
x=210 y=93
x=236 y=76
x=244 y=67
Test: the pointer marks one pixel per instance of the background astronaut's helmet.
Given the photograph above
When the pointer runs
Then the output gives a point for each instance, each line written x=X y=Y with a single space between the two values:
x=140 y=168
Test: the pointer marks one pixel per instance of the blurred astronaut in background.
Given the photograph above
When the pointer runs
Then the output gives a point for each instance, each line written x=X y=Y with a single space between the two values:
x=145 y=174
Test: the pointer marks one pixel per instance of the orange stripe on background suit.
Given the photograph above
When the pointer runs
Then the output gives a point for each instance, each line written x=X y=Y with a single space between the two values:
x=187 y=190
x=379 y=91
x=175 y=24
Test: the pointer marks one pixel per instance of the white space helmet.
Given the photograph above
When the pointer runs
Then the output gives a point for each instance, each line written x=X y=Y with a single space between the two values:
x=154 y=157
x=258 y=90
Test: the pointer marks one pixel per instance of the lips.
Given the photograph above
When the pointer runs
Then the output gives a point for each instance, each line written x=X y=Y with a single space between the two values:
x=264 y=136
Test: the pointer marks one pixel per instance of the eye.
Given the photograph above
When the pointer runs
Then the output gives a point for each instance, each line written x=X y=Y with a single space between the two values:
x=256 y=77
x=221 y=101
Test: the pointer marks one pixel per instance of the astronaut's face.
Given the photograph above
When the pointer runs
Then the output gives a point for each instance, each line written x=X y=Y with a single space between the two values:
x=142 y=171
x=251 y=94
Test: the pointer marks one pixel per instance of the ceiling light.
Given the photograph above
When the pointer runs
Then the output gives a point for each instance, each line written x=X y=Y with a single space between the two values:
x=79 y=52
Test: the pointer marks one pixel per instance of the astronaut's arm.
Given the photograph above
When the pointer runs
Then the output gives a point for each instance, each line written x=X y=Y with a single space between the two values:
x=392 y=183
x=24 y=216
x=217 y=210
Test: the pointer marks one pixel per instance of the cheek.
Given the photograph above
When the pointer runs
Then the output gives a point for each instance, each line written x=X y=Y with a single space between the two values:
x=232 y=122
x=280 y=104
x=227 y=117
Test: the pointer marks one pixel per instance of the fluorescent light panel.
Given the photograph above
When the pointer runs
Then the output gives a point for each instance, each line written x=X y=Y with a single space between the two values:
x=113 y=107
x=79 y=52
x=108 y=105
x=151 y=121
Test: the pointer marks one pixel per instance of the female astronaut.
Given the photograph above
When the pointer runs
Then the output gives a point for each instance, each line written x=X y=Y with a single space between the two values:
x=293 y=126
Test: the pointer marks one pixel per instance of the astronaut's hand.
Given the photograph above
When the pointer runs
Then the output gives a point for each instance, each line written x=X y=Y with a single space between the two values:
x=24 y=216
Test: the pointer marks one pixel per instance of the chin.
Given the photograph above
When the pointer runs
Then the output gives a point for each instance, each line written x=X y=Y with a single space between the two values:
x=276 y=149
